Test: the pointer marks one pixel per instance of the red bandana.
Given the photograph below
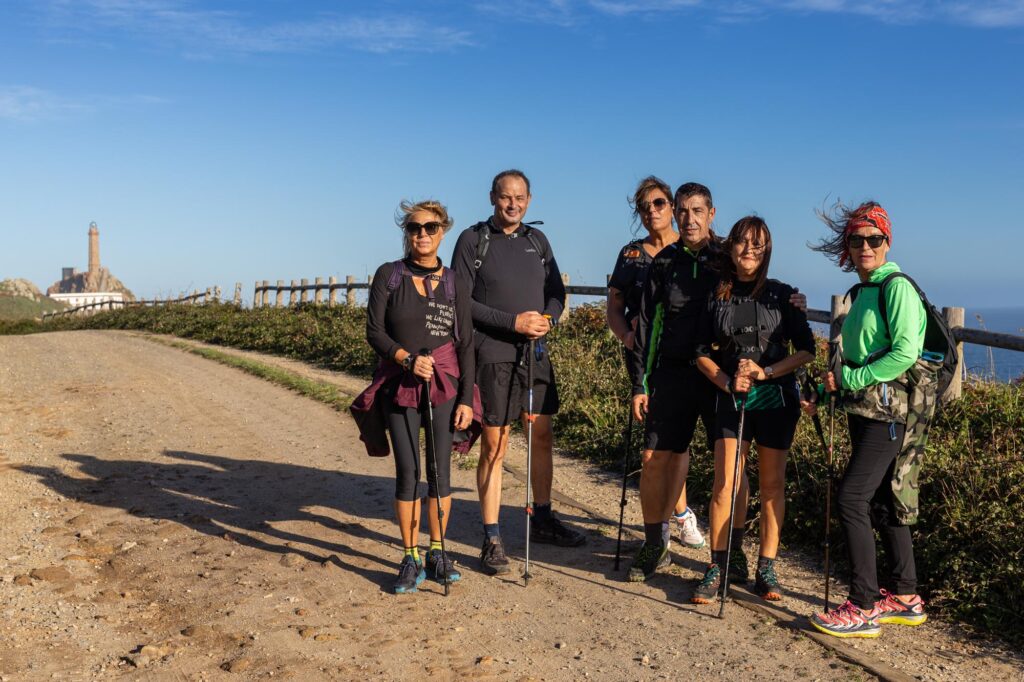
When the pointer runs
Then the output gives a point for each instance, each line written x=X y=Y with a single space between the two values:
x=875 y=216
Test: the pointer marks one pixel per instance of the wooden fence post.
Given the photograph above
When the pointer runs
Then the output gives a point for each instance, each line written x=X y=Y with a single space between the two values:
x=840 y=307
x=293 y=293
x=955 y=318
x=256 y=293
x=350 y=293
x=304 y=294
x=279 y=299
x=565 y=310
x=318 y=292
x=332 y=294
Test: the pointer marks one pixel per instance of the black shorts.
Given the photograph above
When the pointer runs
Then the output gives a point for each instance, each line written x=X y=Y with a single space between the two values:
x=772 y=428
x=503 y=390
x=679 y=394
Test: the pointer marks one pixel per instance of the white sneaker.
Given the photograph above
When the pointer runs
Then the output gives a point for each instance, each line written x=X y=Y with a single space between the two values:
x=689 y=533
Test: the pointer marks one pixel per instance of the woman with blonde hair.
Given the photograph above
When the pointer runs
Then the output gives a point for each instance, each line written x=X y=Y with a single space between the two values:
x=419 y=322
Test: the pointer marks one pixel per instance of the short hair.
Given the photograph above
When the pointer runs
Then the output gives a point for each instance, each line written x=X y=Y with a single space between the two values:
x=651 y=182
x=693 y=189
x=513 y=173
x=405 y=210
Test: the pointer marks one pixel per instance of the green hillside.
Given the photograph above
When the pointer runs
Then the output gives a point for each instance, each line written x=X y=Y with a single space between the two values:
x=20 y=308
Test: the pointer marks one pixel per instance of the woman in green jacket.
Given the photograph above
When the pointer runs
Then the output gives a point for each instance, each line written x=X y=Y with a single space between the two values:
x=870 y=384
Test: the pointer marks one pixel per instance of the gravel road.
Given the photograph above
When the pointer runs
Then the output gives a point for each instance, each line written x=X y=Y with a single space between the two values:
x=166 y=517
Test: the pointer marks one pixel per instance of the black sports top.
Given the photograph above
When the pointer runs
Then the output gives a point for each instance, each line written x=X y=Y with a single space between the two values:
x=404 y=318
x=629 y=275
x=759 y=329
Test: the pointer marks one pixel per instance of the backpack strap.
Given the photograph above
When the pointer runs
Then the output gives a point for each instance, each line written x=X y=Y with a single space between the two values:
x=398 y=271
x=536 y=245
x=483 y=242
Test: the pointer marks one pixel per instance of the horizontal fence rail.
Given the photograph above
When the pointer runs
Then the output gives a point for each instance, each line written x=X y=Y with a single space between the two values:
x=195 y=298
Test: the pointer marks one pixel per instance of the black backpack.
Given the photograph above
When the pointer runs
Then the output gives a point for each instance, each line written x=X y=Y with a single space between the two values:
x=483 y=243
x=938 y=337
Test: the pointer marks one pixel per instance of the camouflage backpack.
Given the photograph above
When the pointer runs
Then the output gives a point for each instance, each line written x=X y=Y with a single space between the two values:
x=912 y=398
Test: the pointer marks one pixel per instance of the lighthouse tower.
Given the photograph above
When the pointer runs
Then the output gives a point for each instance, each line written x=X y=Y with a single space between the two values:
x=94 y=250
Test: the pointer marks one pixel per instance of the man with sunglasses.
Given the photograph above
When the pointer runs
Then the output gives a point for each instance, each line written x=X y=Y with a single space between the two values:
x=517 y=296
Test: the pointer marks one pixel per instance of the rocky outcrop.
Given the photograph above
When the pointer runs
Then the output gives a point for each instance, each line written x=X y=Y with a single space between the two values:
x=21 y=288
x=86 y=282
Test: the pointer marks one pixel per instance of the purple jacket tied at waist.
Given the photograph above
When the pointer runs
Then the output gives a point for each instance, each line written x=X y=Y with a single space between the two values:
x=369 y=412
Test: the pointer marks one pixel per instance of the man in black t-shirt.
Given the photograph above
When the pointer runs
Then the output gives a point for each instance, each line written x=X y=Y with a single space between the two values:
x=517 y=295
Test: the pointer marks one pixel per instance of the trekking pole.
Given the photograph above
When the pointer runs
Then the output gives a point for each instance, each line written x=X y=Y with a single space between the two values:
x=732 y=504
x=828 y=492
x=809 y=390
x=432 y=453
x=627 y=445
x=529 y=455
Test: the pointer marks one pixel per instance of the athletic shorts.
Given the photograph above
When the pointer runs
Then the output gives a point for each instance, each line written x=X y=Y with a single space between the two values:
x=773 y=427
x=503 y=390
x=679 y=394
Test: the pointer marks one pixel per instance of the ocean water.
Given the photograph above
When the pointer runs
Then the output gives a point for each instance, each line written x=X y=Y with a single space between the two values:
x=997 y=363
x=990 y=363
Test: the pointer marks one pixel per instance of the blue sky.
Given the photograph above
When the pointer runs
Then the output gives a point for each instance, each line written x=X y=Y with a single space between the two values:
x=226 y=141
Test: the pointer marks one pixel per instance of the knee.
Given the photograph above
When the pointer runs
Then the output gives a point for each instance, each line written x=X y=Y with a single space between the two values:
x=492 y=453
x=773 y=488
x=849 y=503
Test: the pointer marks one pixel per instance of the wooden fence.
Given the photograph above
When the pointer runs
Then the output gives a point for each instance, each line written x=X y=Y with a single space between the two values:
x=320 y=291
x=195 y=298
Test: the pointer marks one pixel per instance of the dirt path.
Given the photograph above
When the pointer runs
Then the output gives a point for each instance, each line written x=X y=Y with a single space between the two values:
x=166 y=517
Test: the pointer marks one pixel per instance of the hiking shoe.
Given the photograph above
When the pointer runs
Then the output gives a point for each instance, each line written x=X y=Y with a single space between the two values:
x=766 y=583
x=739 y=571
x=846 y=621
x=410 y=575
x=709 y=586
x=647 y=562
x=440 y=565
x=892 y=609
x=492 y=557
x=553 y=532
x=689 y=533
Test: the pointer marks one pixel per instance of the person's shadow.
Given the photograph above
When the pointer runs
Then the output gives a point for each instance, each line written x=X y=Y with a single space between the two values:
x=251 y=500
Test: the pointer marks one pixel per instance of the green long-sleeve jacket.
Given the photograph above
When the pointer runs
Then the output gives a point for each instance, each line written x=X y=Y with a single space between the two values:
x=864 y=332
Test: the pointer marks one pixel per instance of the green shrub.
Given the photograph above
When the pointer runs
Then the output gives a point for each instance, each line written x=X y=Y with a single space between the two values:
x=970 y=540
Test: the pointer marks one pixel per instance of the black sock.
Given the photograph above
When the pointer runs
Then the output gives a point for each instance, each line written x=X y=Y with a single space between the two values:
x=736 y=539
x=763 y=561
x=652 y=533
x=666 y=534
x=491 y=530
x=718 y=557
x=541 y=512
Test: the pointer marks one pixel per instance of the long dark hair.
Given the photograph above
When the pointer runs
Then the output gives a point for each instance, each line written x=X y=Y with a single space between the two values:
x=837 y=218
x=759 y=228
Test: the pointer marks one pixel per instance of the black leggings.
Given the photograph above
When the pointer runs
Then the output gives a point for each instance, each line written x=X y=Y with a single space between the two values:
x=865 y=496
x=404 y=427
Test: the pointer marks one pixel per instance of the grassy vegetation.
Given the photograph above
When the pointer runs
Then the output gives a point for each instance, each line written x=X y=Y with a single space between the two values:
x=969 y=543
x=21 y=308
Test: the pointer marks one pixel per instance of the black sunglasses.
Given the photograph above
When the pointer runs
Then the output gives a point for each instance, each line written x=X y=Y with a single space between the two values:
x=430 y=228
x=659 y=204
x=856 y=241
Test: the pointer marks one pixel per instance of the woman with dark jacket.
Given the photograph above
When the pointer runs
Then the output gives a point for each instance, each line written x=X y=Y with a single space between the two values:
x=419 y=322
x=879 y=347
x=746 y=332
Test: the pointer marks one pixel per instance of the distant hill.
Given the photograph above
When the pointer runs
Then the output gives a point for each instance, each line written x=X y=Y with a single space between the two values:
x=20 y=299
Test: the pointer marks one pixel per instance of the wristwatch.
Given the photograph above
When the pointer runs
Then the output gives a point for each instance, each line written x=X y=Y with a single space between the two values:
x=769 y=372
x=409 y=360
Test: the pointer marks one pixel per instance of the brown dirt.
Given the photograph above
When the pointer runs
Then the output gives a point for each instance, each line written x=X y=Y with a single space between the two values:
x=166 y=517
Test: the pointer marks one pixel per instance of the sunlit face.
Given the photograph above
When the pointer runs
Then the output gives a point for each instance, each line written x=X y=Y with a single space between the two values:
x=748 y=253
x=656 y=219
x=865 y=257
x=421 y=244
x=694 y=218
x=510 y=201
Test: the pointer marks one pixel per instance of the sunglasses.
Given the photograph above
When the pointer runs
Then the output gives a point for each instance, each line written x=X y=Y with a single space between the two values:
x=856 y=241
x=657 y=204
x=430 y=228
